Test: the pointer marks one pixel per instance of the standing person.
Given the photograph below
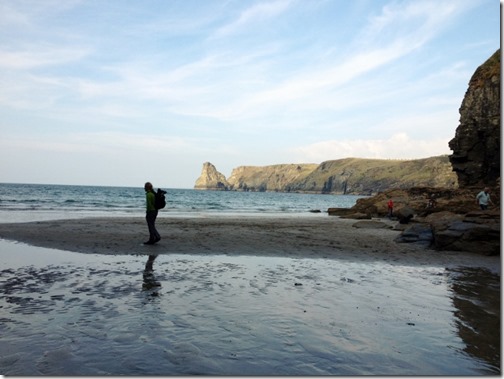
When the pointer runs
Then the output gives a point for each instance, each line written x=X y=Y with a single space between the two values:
x=390 y=206
x=483 y=198
x=151 y=214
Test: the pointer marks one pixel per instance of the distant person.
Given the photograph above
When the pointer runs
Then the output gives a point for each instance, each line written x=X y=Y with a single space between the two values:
x=432 y=203
x=390 y=206
x=483 y=198
x=151 y=214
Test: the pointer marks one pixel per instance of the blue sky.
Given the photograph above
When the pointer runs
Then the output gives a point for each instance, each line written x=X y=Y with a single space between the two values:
x=120 y=92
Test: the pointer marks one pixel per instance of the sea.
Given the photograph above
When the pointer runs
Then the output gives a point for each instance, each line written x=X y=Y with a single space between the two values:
x=41 y=202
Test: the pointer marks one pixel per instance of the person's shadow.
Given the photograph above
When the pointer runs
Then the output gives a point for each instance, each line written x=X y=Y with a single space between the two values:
x=149 y=279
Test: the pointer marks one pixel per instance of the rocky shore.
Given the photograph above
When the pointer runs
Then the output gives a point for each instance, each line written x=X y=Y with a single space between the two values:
x=434 y=218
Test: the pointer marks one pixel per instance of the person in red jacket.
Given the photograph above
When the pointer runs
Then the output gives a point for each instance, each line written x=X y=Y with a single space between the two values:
x=390 y=206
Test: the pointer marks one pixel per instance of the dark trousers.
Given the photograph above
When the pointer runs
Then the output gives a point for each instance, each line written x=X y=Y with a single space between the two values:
x=150 y=216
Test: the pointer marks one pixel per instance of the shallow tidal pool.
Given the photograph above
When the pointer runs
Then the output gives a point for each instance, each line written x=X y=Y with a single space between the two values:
x=64 y=313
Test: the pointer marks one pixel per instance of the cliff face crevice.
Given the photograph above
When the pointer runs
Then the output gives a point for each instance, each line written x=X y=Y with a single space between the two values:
x=476 y=145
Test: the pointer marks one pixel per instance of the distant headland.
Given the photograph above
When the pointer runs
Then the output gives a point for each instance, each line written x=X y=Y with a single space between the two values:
x=355 y=176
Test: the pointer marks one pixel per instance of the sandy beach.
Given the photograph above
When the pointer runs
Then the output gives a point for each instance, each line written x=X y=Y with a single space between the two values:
x=241 y=296
x=294 y=237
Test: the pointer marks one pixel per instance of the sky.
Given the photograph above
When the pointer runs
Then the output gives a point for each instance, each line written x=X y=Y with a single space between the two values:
x=121 y=92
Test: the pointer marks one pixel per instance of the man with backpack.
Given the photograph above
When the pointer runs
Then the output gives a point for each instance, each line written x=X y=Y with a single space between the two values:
x=151 y=214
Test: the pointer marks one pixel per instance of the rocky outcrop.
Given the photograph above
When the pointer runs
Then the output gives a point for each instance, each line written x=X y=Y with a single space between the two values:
x=476 y=232
x=476 y=145
x=344 y=176
x=441 y=219
x=422 y=201
x=268 y=178
x=211 y=179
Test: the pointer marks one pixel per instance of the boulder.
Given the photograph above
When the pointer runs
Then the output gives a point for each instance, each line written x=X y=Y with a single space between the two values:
x=420 y=234
x=404 y=215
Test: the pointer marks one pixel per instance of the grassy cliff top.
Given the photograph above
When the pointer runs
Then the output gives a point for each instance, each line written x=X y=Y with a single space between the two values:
x=487 y=70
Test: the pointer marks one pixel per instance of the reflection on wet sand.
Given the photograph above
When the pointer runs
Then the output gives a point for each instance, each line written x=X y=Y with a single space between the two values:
x=76 y=314
x=149 y=279
x=476 y=297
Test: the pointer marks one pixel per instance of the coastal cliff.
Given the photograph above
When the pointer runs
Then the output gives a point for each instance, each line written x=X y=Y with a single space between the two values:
x=356 y=176
x=476 y=145
x=370 y=176
x=278 y=178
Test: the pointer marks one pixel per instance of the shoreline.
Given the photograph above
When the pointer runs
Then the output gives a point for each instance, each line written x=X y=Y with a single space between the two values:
x=292 y=237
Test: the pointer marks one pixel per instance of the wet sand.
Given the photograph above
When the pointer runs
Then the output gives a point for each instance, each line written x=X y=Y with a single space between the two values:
x=229 y=296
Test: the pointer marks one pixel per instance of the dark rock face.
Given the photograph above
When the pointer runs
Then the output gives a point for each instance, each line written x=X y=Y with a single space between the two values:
x=476 y=146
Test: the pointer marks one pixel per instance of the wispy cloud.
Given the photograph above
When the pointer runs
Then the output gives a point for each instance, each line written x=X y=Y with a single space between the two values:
x=30 y=57
x=27 y=13
x=408 y=26
x=250 y=17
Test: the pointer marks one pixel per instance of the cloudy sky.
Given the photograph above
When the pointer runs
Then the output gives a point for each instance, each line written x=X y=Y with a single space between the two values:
x=120 y=92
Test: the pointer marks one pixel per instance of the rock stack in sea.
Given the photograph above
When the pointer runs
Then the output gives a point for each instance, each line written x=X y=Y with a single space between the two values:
x=211 y=179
